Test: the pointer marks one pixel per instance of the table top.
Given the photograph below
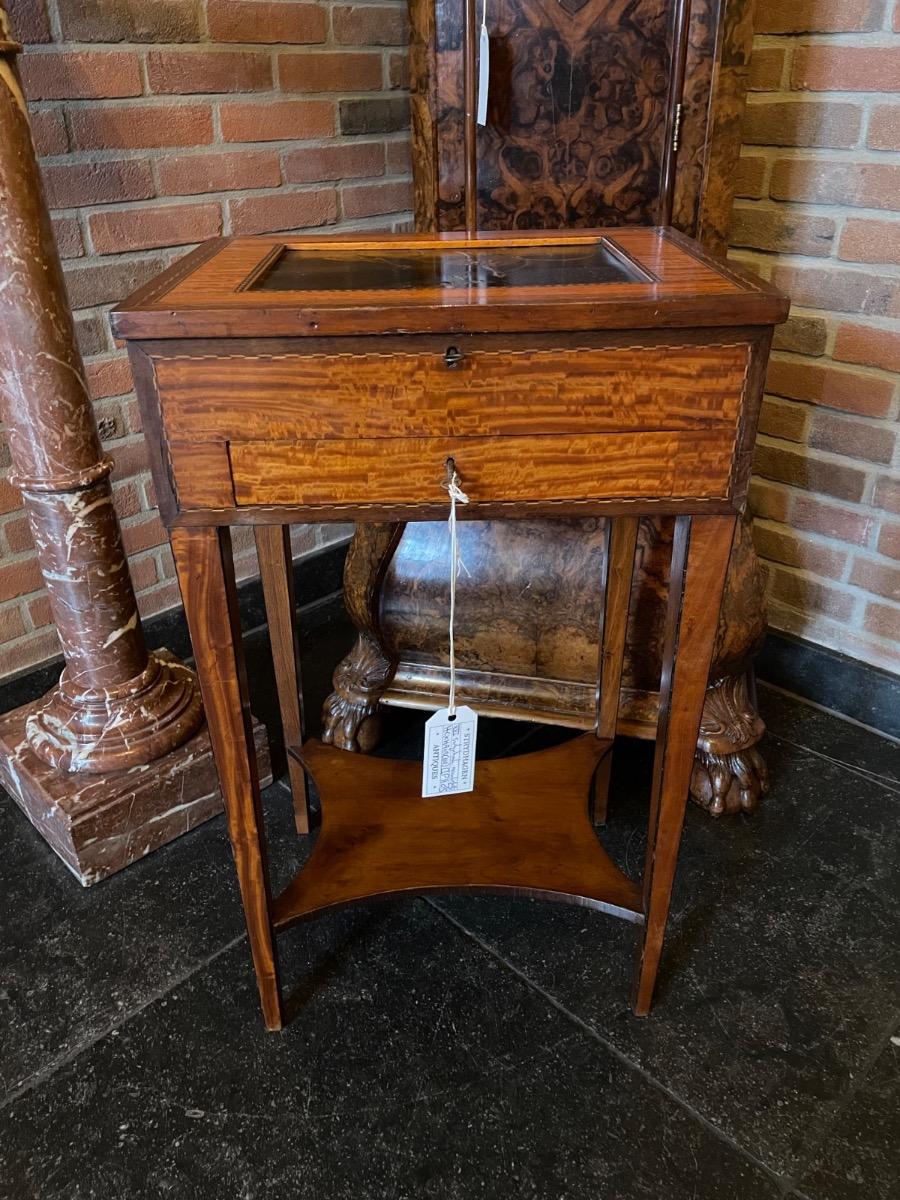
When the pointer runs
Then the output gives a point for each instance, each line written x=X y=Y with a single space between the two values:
x=638 y=278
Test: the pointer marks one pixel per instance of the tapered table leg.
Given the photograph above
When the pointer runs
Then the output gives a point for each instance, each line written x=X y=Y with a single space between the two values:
x=273 y=544
x=619 y=568
x=206 y=575
x=699 y=560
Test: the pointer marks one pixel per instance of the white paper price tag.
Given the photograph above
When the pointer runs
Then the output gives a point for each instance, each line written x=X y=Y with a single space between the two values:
x=449 y=765
x=484 y=71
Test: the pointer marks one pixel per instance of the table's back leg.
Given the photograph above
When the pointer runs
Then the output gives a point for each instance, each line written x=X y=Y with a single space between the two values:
x=699 y=560
x=276 y=567
x=620 y=548
x=206 y=574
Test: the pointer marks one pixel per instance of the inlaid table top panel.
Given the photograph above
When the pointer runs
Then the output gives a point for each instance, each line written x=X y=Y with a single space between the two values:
x=315 y=286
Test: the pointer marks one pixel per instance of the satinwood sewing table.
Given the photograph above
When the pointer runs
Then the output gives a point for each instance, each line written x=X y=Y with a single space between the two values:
x=320 y=379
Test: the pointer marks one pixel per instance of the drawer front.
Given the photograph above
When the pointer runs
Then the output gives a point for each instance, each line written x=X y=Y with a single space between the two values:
x=488 y=393
x=328 y=472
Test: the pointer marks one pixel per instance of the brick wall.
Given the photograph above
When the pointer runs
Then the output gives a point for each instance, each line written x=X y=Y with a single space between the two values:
x=163 y=122
x=819 y=213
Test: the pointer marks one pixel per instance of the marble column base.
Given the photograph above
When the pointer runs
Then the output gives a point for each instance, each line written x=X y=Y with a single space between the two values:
x=98 y=824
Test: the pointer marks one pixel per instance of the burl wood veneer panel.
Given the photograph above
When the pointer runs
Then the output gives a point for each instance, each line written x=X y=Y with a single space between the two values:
x=675 y=463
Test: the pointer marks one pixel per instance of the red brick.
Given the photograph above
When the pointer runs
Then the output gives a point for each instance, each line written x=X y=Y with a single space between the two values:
x=185 y=72
x=292 y=210
x=398 y=156
x=781 y=419
x=353 y=160
x=840 y=523
x=864 y=185
x=129 y=459
x=29 y=21
x=110 y=421
x=766 y=68
x=127 y=499
x=10 y=497
x=143 y=573
x=159 y=599
x=20 y=578
x=35 y=648
x=812 y=16
x=787 y=232
x=887 y=493
x=130 y=20
x=92 y=333
x=854 y=439
x=80 y=74
x=370 y=25
x=802 y=123
x=803 y=594
x=846 y=68
x=143 y=535
x=141 y=126
x=11 y=623
x=374 y=199
x=884 y=128
x=840 y=290
x=91 y=283
x=147 y=228
x=326 y=72
x=398 y=70
x=277 y=121
x=831 y=386
x=782 y=546
x=883 y=620
x=74 y=185
x=18 y=535
x=802 y=335
x=108 y=377
x=770 y=500
x=814 y=474
x=750 y=177
x=880 y=578
x=191 y=174
x=39 y=612
x=49 y=131
x=259 y=21
x=868 y=346
x=889 y=539
x=870 y=241
x=67 y=233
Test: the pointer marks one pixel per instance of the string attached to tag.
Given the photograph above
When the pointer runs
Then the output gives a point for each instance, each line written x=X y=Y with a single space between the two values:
x=450 y=734
x=457 y=496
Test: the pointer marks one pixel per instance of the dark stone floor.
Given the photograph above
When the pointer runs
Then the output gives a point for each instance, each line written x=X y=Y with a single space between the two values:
x=468 y=1048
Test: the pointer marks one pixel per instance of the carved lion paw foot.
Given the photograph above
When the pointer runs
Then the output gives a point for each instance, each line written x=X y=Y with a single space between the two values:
x=730 y=774
x=729 y=783
x=350 y=724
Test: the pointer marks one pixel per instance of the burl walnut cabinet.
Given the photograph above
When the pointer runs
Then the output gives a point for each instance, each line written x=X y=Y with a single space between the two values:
x=567 y=375
x=601 y=113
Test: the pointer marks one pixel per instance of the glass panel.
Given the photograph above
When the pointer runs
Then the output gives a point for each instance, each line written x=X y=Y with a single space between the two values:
x=407 y=268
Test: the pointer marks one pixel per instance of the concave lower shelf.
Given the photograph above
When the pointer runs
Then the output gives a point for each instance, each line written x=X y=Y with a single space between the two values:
x=525 y=830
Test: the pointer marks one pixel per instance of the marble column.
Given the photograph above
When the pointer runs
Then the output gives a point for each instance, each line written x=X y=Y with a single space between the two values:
x=116 y=708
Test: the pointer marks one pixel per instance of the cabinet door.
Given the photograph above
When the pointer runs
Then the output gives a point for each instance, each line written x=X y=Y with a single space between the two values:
x=583 y=107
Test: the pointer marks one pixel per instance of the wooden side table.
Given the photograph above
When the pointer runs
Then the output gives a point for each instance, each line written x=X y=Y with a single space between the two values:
x=332 y=380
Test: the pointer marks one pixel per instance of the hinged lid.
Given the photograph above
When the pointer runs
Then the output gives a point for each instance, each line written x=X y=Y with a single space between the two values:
x=422 y=283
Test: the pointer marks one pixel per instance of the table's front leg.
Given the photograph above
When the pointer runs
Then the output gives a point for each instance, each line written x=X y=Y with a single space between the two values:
x=205 y=568
x=697 y=580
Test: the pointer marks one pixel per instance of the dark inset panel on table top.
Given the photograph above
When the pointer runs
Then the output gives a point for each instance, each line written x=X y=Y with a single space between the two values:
x=405 y=269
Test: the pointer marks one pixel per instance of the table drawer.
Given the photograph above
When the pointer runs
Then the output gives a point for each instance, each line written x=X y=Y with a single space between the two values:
x=489 y=392
x=540 y=467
